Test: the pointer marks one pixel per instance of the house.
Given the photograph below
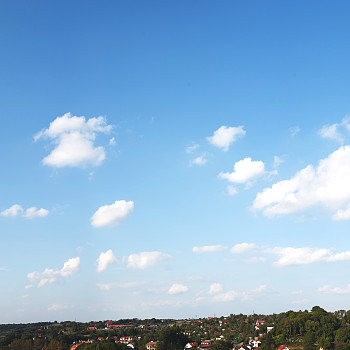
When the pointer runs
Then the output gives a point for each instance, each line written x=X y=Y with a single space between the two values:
x=255 y=343
x=125 y=340
x=283 y=347
x=152 y=345
x=205 y=344
x=91 y=328
x=191 y=345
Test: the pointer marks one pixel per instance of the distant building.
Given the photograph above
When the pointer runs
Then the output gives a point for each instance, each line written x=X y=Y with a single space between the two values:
x=152 y=345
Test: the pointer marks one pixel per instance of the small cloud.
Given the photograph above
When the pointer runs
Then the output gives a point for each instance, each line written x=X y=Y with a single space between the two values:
x=301 y=301
x=242 y=248
x=146 y=259
x=336 y=290
x=306 y=255
x=110 y=215
x=30 y=213
x=114 y=285
x=28 y=286
x=201 y=160
x=57 y=307
x=277 y=161
x=191 y=149
x=177 y=288
x=13 y=211
x=225 y=136
x=49 y=275
x=34 y=212
x=105 y=259
x=112 y=142
x=294 y=130
x=231 y=190
x=244 y=171
x=208 y=249
x=256 y=259
x=215 y=288
x=228 y=296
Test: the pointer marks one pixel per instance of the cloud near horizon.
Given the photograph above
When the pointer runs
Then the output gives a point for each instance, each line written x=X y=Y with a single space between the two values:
x=146 y=259
x=208 y=248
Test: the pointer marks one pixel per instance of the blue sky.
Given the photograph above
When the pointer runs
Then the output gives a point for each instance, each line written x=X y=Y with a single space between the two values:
x=173 y=158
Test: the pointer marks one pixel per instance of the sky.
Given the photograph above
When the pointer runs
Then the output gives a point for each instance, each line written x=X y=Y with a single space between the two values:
x=173 y=159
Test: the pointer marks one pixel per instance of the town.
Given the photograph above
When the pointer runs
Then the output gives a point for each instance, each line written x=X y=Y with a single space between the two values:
x=302 y=330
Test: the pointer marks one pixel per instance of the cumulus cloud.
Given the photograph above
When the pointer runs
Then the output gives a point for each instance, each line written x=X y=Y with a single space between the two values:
x=177 y=288
x=146 y=259
x=110 y=215
x=34 y=212
x=208 y=248
x=225 y=136
x=305 y=255
x=334 y=131
x=201 y=160
x=112 y=142
x=326 y=185
x=215 y=288
x=49 y=275
x=14 y=210
x=228 y=296
x=245 y=295
x=242 y=248
x=244 y=171
x=336 y=290
x=30 y=213
x=73 y=139
x=342 y=214
x=105 y=259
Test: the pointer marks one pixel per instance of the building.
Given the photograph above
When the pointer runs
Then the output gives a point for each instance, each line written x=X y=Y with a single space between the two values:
x=152 y=345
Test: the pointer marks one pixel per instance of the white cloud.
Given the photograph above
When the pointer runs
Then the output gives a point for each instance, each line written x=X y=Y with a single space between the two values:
x=333 y=131
x=146 y=259
x=240 y=248
x=112 y=142
x=228 y=296
x=277 y=161
x=49 y=275
x=109 y=215
x=244 y=171
x=122 y=285
x=14 y=210
x=177 y=288
x=30 y=213
x=105 y=259
x=337 y=290
x=57 y=307
x=34 y=212
x=342 y=214
x=208 y=249
x=306 y=255
x=191 y=149
x=201 y=160
x=73 y=138
x=326 y=185
x=232 y=294
x=215 y=288
x=225 y=136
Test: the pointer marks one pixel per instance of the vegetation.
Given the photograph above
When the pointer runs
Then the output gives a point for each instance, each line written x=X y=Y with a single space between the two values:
x=299 y=330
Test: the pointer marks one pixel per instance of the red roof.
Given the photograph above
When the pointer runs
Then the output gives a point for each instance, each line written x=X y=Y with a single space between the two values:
x=281 y=347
